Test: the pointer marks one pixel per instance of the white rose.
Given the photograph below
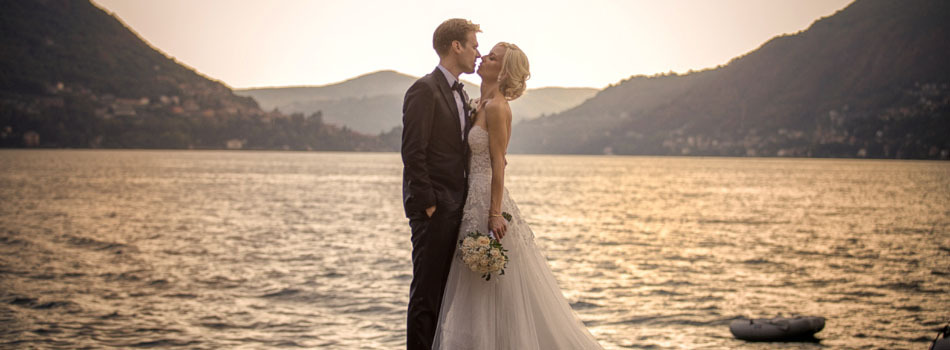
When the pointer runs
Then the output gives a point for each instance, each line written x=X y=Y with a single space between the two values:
x=468 y=243
x=483 y=241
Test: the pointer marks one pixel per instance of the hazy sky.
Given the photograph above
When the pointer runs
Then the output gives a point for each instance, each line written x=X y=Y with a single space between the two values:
x=593 y=43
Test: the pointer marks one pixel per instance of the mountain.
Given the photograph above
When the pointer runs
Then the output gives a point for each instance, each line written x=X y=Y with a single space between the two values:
x=368 y=85
x=869 y=81
x=72 y=75
x=372 y=103
x=548 y=100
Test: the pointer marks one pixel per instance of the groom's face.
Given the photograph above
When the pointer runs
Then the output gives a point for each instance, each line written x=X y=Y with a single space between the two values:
x=469 y=53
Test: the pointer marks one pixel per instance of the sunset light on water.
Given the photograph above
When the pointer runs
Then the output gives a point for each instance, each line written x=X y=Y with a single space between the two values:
x=432 y=175
x=267 y=250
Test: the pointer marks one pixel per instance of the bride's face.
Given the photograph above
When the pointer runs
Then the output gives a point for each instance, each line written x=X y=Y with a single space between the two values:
x=490 y=66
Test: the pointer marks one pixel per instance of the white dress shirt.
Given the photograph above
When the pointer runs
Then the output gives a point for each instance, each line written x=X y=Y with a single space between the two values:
x=458 y=98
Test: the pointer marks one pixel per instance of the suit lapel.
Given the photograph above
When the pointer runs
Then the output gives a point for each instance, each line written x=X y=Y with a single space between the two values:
x=443 y=85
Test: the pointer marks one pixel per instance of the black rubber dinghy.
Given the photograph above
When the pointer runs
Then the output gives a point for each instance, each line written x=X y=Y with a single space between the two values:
x=777 y=329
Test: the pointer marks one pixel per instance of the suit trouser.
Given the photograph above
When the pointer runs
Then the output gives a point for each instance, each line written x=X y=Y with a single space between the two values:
x=433 y=246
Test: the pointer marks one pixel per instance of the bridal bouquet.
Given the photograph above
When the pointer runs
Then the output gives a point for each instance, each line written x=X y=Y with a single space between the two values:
x=484 y=254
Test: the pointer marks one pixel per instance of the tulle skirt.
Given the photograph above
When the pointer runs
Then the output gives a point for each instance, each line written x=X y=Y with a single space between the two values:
x=522 y=309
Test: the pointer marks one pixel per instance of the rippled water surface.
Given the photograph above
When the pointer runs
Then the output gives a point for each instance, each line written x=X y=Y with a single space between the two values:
x=283 y=250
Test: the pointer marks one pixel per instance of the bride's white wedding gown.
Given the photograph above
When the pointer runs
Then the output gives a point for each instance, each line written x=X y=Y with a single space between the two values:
x=522 y=309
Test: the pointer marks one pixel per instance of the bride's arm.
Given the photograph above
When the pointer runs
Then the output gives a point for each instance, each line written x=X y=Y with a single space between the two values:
x=497 y=116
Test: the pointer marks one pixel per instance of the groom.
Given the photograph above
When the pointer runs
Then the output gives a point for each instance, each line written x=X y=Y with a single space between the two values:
x=434 y=180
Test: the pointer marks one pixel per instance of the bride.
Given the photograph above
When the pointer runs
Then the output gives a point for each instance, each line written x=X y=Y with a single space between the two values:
x=524 y=308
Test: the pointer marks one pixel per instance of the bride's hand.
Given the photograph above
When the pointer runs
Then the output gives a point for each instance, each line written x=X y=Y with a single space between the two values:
x=498 y=225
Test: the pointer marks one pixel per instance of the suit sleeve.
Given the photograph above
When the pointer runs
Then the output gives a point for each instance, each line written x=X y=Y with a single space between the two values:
x=418 y=111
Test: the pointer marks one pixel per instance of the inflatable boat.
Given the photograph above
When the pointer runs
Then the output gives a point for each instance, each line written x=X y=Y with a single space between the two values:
x=777 y=329
x=942 y=343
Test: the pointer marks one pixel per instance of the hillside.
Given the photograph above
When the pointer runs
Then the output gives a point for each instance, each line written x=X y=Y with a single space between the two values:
x=369 y=104
x=372 y=103
x=72 y=75
x=548 y=100
x=869 y=81
x=367 y=85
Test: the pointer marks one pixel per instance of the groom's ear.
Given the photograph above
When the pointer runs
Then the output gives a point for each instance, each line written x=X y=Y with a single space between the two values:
x=457 y=46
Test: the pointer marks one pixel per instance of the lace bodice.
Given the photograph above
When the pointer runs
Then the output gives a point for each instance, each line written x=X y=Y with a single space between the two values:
x=475 y=214
x=480 y=163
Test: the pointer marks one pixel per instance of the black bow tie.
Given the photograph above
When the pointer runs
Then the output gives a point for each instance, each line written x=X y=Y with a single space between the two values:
x=457 y=86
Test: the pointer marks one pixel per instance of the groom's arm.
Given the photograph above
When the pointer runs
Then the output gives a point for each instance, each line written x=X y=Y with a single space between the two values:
x=418 y=112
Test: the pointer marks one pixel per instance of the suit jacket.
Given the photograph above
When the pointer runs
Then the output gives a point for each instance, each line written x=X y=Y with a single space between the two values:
x=434 y=153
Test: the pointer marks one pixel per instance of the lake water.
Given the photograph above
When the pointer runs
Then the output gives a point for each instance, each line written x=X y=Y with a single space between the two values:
x=260 y=250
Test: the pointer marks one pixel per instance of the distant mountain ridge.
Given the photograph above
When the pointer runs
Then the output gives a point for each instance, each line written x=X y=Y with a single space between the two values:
x=386 y=82
x=372 y=103
x=870 y=81
x=72 y=75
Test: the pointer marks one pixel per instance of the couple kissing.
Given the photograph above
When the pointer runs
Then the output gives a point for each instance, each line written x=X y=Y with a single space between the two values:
x=453 y=154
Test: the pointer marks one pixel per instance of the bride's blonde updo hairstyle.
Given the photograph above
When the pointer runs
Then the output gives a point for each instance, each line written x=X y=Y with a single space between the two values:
x=515 y=71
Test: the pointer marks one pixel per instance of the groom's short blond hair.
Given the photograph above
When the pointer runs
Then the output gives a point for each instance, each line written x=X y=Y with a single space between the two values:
x=452 y=30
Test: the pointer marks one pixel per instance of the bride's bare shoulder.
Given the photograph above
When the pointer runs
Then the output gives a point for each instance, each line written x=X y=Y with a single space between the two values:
x=497 y=109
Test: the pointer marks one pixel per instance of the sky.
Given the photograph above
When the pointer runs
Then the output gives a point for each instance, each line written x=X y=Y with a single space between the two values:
x=576 y=43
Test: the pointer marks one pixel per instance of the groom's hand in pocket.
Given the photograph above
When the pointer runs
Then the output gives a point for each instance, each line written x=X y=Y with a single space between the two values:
x=430 y=211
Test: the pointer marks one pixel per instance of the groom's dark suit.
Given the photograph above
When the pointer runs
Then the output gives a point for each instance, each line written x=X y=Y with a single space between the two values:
x=435 y=161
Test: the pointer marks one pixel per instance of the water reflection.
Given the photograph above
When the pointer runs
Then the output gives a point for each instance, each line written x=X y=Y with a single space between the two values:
x=283 y=249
